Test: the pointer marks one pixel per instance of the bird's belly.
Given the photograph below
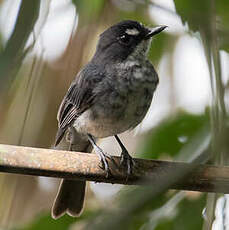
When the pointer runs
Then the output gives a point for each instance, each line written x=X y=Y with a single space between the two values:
x=110 y=117
x=100 y=127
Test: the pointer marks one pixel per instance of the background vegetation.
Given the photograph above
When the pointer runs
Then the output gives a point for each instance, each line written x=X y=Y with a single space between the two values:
x=43 y=44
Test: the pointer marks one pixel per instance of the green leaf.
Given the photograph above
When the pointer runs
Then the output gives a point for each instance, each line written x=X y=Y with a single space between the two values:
x=196 y=13
x=45 y=221
x=172 y=134
x=188 y=217
x=161 y=44
x=88 y=10
x=204 y=15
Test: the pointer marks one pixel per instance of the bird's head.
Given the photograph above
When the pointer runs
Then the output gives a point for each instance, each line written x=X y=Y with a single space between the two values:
x=125 y=39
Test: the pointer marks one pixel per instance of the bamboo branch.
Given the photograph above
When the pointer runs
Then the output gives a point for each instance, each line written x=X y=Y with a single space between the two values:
x=85 y=166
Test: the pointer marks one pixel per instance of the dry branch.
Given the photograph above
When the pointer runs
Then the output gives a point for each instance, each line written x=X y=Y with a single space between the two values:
x=84 y=166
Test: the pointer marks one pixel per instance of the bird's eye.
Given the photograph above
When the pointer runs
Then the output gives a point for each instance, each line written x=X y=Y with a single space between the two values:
x=125 y=39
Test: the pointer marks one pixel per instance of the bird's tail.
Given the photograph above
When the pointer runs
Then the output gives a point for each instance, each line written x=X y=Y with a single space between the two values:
x=70 y=196
x=69 y=199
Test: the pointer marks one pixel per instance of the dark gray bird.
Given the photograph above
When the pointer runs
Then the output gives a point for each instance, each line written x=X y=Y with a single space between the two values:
x=110 y=95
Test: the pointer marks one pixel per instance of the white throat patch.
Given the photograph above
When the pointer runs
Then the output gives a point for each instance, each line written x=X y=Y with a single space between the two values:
x=133 y=31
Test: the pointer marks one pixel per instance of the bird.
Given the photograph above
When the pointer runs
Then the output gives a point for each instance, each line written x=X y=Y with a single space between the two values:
x=110 y=94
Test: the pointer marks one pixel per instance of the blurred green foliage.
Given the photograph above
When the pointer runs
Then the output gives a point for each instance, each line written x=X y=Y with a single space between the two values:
x=196 y=13
x=13 y=53
x=160 y=47
x=203 y=15
x=211 y=20
x=88 y=11
x=172 y=134
x=187 y=215
x=45 y=221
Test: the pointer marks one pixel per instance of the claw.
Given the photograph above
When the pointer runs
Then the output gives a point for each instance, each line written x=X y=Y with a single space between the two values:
x=103 y=158
x=127 y=160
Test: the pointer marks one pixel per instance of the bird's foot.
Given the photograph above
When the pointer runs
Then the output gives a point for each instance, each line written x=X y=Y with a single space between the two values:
x=103 y=158
x=127 y=161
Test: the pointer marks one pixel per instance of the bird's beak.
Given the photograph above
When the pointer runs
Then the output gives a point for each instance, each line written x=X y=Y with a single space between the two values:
x=153 y=31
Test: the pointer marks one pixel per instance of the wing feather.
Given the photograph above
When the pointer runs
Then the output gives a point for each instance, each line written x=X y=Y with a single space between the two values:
x=79 y=98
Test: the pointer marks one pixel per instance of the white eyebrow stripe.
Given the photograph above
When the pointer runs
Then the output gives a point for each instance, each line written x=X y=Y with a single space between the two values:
x=133 y=31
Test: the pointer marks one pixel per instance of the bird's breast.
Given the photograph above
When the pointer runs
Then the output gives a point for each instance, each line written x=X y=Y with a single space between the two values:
x=122 y=104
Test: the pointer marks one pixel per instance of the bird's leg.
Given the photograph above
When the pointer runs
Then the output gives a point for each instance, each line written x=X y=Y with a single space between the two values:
x=100 y=153
x=70 y=147
x=69 y=139
x=126 y=159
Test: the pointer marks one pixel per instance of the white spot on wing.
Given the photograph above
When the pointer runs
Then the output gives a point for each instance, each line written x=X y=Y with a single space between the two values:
x=133 y=31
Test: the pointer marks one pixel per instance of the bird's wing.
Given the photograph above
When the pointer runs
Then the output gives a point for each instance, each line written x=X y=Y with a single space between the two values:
x=79 y=98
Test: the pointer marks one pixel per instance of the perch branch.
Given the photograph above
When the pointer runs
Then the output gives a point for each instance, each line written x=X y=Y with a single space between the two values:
x=85 y=166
